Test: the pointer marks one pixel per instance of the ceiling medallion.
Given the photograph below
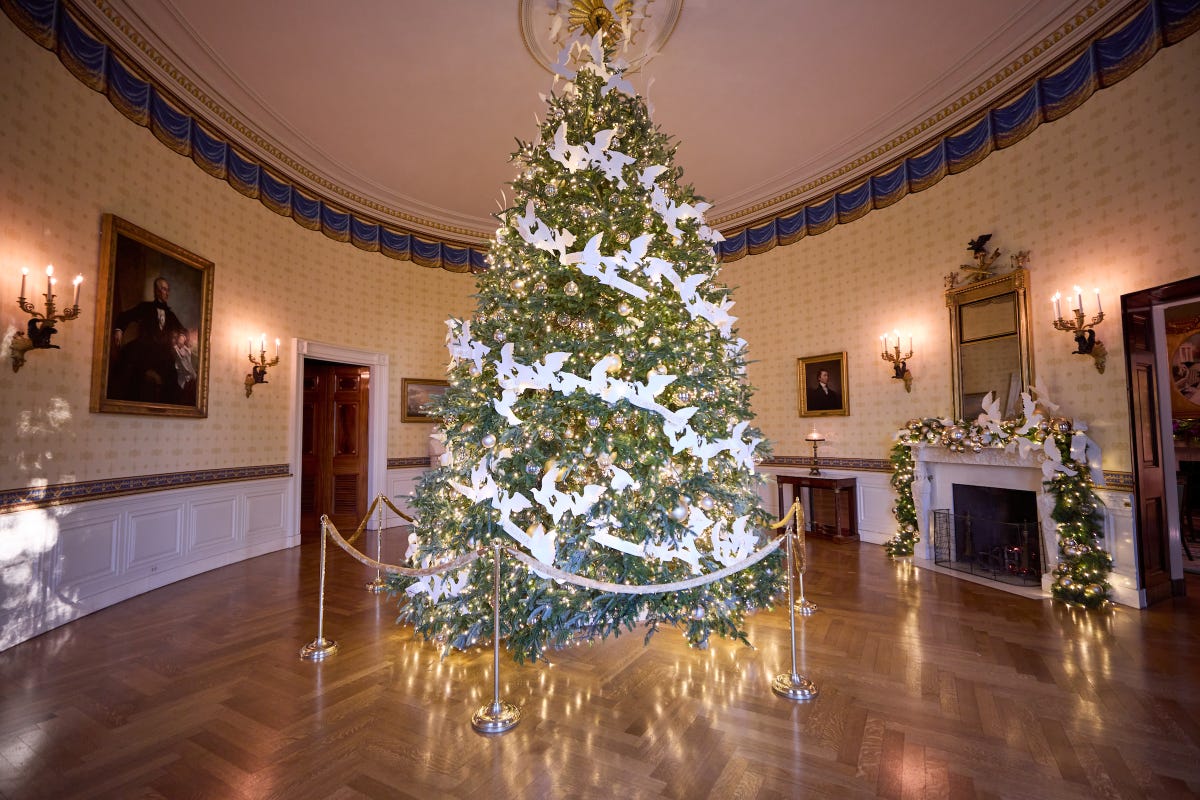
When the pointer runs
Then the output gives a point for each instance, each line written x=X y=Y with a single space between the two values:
x=641 y=26
x=594 y=15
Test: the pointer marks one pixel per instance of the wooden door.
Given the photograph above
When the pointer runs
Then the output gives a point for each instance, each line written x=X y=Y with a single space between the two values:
x=333 y=479
x=1151 y=484
x=1150 y=513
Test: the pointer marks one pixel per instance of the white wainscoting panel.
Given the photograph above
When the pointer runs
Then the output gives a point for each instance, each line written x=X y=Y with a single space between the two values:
x=58 y=564
x=401 y=483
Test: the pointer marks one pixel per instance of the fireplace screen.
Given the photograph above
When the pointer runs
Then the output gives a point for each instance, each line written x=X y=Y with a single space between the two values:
x=996 y=535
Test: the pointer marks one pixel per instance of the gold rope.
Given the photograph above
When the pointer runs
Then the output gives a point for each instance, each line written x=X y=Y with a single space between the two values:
x=396 y=569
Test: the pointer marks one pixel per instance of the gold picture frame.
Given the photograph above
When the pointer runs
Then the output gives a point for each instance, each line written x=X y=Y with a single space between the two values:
x=153 y=314
x=817 y=398
x=415 y=394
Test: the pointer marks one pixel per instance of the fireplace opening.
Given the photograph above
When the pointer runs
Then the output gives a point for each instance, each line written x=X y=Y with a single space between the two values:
x=991 y=532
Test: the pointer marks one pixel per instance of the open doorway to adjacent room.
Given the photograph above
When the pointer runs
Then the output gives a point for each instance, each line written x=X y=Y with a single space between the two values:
x=1161 y=327
x=339 y=430
x=334 y=445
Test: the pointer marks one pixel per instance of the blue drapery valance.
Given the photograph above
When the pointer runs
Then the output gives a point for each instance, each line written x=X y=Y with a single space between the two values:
x=1101 y=62
x=1104 y=60
x=86 y=52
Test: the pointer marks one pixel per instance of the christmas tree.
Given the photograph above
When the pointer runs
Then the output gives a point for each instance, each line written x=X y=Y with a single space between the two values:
x=598 y=415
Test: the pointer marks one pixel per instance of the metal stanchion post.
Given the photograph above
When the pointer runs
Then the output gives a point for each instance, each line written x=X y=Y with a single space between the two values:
x=378 y=584
x=793 y=686
x=496 y=717
x=320 y=648
x=803 y=606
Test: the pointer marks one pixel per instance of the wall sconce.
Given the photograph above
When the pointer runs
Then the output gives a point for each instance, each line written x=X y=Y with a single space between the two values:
x=1086 y=343
x=41 y=326
x=815 y=438
x=891 y=354
x=258 y=372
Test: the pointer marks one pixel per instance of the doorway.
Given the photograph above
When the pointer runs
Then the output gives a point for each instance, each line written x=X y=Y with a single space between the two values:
x=1162 y=512
x=334 y=445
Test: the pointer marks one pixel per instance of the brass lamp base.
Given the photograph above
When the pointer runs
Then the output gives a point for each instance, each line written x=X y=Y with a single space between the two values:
x=496 y=718
x=794 y=687
x=319 y=649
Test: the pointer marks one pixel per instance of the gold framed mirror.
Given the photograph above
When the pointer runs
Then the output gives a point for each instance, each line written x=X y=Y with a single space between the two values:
x=990 y=344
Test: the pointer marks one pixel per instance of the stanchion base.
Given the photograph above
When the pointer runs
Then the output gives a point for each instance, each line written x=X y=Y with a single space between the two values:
x=376 y=586
x=496 y=718
x=805 y=608
x=318 y=649
x=794 y=687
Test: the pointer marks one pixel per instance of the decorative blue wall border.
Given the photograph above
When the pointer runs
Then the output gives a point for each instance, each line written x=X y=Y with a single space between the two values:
x=409 y=461
x=59 y=493
x=1116 y=481
x=96 y=61
x=1107 y=58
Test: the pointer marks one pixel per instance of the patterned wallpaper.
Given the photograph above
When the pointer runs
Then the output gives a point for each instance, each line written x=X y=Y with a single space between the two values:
x=68 y=158
x=1108 y=197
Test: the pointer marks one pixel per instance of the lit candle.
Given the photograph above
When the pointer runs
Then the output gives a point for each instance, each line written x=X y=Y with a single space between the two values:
x=1057 y=308
x=250 y=346
x=277 y=348
x=1099 y=309
x=24 y=273
x=49 y=281
x=910 y=343
x=1078 y=299
x=262 y=345
x=883 y=343
x=78 y=280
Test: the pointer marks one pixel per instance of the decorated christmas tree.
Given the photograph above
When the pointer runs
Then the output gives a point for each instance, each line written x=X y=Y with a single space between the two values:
x=598 y=415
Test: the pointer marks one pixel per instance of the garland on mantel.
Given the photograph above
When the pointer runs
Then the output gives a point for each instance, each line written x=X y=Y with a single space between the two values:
x=1061 y=447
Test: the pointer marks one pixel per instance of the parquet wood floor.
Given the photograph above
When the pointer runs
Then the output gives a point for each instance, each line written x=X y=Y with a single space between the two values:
x=930 y=687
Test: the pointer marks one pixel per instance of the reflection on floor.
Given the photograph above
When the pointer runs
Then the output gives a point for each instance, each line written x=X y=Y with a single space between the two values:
x=929 y=687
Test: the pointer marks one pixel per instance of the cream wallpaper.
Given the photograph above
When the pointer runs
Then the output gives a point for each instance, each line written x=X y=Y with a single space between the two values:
x=1107 y=197
x=68 y=158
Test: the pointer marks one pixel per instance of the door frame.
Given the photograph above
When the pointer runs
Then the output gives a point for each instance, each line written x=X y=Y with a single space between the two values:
x=377 y=418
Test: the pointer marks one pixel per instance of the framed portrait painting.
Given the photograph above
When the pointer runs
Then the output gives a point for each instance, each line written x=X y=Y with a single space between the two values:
x=153 y=313
x=415 y=395
x=823 y=388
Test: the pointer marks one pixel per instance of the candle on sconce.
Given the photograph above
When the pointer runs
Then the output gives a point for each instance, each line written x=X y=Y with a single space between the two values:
x=1078 y=299
x=78 y=280
x=1099 y=308
x=49 y=281
x=24 y=274
x=1057 y=308
x=262 y=345
x=250 y=346
x=883 y=343
x=277 y=348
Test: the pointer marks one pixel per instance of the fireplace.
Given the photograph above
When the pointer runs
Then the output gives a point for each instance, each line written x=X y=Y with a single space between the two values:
x=992 y=532
x=939 y=494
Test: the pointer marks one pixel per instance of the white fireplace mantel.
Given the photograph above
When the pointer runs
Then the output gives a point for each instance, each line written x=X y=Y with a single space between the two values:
x=936 y=470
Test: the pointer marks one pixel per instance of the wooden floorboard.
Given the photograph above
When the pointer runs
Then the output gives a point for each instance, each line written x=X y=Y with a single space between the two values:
x=931 y=687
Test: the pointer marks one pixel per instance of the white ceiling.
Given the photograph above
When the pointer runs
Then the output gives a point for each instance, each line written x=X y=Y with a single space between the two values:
x=414 y=106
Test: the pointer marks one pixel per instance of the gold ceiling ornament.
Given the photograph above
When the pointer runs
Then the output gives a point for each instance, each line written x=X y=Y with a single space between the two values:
x=595 y=15
x=640 y=27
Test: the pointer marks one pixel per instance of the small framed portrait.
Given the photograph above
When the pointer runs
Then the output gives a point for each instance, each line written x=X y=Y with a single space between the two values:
x=823 y=388
x=415 y=397
x=153 y=312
